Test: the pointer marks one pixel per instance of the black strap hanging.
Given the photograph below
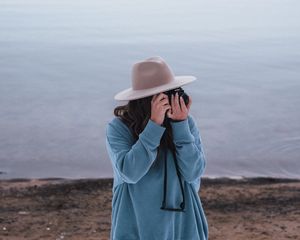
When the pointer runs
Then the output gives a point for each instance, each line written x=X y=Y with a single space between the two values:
x=182 y=204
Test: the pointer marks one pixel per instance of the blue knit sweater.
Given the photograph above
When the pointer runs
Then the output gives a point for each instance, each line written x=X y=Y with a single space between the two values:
x=138 y=184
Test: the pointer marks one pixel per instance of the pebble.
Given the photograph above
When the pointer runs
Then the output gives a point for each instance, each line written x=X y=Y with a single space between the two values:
x=23 y=212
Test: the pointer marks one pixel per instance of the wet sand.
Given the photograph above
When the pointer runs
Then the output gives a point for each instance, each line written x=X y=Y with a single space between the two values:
x=258 y=208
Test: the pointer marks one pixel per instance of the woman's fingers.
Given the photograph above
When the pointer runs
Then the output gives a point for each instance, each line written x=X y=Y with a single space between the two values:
x=176 y=102
x=161 y=101
x=153 y=98
x=189 y=103
x=176 y=108
x=172 y=101
x=165 y=101
x=166 y=107
x=182 y=103
x=159 y=97
x=170 y=113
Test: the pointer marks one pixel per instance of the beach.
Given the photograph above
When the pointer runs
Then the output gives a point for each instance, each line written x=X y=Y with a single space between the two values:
x=248 y=208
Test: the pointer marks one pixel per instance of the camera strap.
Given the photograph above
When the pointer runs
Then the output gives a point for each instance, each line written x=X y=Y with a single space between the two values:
x=182 y=205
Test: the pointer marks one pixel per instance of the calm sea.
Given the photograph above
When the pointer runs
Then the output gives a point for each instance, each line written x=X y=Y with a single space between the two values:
x=61 y=63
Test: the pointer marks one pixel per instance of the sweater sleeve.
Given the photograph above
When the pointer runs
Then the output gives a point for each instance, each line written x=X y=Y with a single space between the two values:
x=189 y=150
x=132 y=161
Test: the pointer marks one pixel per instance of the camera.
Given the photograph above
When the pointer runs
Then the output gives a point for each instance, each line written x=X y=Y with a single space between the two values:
x=171 y=92
x=180 y=93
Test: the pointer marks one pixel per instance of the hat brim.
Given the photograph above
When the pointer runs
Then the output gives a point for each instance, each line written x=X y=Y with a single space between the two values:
x=130 y=94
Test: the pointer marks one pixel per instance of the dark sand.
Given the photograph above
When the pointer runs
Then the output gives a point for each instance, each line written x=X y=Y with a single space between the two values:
x=259 y=208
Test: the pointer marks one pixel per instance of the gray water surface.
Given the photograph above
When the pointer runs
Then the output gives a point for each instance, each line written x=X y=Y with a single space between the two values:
x=61 y=63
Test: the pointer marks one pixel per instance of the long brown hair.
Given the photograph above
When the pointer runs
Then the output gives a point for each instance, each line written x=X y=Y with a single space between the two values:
x=136 y=114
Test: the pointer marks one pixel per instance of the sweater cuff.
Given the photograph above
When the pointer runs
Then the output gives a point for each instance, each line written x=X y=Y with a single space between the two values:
x=181 y=131
x=153 y=131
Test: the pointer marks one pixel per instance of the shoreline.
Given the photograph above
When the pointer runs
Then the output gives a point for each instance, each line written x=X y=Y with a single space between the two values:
x=60 y=208
x=203 y=179
x=28 y=182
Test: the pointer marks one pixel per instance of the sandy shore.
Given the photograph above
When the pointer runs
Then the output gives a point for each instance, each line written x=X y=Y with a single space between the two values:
x=259 y=208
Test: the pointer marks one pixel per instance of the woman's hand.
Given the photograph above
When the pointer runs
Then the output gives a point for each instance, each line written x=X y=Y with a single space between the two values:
x=159 y=106
x=179 y=112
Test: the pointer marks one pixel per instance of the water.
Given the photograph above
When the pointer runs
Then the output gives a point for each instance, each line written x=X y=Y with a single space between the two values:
x=61 y=63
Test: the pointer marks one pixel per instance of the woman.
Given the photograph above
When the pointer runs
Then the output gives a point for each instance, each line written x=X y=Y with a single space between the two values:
x=157 y=157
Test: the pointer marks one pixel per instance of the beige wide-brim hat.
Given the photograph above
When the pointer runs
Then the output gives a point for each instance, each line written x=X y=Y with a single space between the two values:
x=152 y=76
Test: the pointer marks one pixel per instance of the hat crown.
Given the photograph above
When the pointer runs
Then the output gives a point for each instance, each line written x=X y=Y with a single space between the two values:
x=150 y=73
